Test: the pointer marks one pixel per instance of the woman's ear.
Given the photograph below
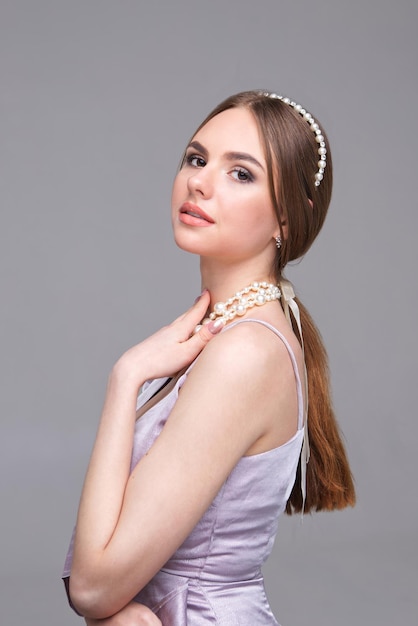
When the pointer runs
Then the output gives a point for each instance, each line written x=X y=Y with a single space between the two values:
x=281 y=231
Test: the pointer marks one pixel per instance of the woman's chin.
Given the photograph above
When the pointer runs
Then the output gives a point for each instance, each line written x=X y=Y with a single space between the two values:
x=188 y=243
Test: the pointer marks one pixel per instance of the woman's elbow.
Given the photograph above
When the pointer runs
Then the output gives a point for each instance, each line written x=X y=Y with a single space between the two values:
x=89 y=600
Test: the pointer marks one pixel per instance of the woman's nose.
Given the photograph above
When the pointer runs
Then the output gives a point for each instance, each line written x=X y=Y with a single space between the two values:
x=201 y=181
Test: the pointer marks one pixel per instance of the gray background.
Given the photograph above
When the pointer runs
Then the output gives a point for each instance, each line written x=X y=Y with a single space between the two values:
x=97 y=101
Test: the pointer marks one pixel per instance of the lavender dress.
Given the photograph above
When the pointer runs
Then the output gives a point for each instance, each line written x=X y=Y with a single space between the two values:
x=215 y=576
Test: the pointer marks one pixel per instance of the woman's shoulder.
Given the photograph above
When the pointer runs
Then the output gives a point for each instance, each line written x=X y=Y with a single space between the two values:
x=252 y=347
x=264 y=337
x=246 y=371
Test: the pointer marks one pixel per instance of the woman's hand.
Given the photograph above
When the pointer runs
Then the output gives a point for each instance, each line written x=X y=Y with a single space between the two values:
x=134 y=614
x=170 y=349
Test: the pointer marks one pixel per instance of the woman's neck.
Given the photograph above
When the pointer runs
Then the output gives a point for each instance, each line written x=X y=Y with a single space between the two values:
x=223 y=280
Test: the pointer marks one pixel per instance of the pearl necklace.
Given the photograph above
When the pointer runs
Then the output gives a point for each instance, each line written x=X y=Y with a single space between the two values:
x=256 y=294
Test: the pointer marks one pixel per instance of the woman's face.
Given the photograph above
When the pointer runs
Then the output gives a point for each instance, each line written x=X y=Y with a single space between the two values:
x=221 y=205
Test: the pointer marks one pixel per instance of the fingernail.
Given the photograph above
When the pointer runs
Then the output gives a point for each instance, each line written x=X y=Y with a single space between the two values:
x=216 y=325
x=198 y=297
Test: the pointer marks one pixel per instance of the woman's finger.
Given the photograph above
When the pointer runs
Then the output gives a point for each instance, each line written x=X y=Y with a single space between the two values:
x=202 y=337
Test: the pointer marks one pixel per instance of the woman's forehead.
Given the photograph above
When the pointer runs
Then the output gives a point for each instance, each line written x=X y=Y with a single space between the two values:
x=233 y=130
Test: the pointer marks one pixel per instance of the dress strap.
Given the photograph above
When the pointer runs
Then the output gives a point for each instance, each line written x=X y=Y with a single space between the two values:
x=288 y=297
x=149 y=389
x=289 y=304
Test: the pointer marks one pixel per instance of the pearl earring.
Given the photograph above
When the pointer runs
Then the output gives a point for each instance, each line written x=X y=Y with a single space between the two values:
x=278 y=241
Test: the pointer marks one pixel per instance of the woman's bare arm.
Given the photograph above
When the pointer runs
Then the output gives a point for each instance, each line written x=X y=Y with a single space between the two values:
x=129 y=525
x=134 y=614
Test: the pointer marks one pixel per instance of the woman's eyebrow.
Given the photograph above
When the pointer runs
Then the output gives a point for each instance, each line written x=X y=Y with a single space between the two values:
x=243 y=156
x=198 y=146
x=230 y=156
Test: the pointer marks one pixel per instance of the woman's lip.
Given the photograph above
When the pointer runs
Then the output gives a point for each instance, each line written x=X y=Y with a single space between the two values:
x=193 y=210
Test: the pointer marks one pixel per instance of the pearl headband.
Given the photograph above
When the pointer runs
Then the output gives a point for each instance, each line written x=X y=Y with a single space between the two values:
x=320 y=139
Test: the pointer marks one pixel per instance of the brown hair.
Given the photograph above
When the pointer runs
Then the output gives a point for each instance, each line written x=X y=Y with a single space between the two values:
x=292 y=161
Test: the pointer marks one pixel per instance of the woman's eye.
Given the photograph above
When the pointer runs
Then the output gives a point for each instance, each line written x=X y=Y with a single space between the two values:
x=242 y=175
x=195 y=160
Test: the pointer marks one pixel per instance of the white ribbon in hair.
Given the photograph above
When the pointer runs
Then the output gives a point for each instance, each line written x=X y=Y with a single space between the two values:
x=289 y=304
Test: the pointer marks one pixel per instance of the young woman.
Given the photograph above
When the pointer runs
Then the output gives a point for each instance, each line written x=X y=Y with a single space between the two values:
x=185 y=485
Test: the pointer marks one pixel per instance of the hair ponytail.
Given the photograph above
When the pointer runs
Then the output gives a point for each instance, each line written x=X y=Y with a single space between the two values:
x=329 y=483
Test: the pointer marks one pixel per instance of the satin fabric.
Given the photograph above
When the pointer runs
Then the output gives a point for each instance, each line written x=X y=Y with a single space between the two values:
x=215 y=576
